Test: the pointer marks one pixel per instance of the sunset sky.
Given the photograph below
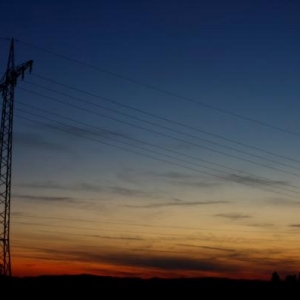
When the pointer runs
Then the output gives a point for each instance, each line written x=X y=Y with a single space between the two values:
x=155 y=138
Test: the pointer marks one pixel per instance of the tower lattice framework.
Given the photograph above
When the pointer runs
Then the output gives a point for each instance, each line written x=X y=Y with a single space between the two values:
x=7 y=87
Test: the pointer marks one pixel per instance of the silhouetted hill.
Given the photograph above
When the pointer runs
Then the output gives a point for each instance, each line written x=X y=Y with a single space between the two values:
x=87 y=282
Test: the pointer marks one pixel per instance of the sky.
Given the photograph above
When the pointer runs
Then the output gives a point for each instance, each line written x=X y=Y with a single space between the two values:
x=155 y=138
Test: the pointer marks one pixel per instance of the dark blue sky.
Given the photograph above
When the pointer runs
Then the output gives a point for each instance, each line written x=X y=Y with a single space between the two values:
x=241 y=55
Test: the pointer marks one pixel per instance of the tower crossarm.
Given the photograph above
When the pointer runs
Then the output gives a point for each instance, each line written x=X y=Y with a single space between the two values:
x=11 y=75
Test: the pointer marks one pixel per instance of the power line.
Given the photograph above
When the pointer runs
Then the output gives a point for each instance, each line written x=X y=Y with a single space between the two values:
x=158 y=117
x=153 y=131
x=153 y=157
x=163 y=91
x=266 y=180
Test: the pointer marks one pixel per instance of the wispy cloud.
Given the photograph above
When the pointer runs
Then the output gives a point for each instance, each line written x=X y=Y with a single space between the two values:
x=83 y=186
x=136 y=260
x=197 y=184
x=96 y=132
x=167 y=263
x=88 y=187
x=124 y=238
x=169 y=177
x=208 y=247
x=35 y=141
x=45 y=198
x=172 y=175
x=281 y=201
x=19 y=214
x=255 y=180
x=294 y=225
x=261 y=225
x=229 y=261
x=233 y=216
x=128 y=192
x=178 y=202
x=43 y=185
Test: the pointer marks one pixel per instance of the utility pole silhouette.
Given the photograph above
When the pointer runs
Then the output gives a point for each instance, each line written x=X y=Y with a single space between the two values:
x=7 y=88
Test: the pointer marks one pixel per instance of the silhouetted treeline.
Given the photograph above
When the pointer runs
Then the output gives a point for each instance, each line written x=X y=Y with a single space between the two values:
x=84 y=282
x=288 y=280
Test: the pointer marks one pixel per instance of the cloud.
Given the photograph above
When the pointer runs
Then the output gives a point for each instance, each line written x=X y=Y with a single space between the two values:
x=45 y=198
x=136 y=260
x=117 y=238
x=178 y=202
x=228 y=261
x=19 y=214
x=166 y=262
x=233 y=216
x=90 y=131
x=184 y=179
x=294 y=225
x=35 y=141
x=127 y=192
x=197 y=184
x=281 y=201
x=262 y=225
x=43 y=185
x=208 y=247
x=88 y=187
x=57 y=186
x=170 y=177
x=255 y=180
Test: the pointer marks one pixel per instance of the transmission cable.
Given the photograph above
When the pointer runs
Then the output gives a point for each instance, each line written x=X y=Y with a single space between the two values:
x=156 y=132
x=162 y=90
x=162 y=118
x=266 y=180
x=150 y=156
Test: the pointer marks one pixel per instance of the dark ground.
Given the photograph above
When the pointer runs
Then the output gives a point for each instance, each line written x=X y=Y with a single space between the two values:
x=88 y=282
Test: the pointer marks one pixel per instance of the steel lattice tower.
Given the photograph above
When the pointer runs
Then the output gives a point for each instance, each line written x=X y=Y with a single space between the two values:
x=7 y=87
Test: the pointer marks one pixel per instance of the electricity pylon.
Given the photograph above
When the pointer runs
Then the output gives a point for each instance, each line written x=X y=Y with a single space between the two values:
x=7 y=87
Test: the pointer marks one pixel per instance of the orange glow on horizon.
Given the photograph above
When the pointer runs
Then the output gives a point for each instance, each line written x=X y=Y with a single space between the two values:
x=31 y=267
